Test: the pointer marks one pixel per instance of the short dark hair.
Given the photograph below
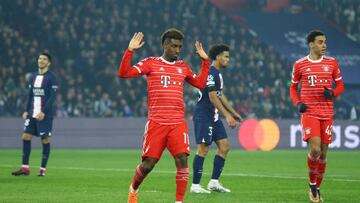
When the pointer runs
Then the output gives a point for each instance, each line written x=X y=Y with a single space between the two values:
x=313 y=34
x=217 y=49
x=171 y=33
x=47 y=55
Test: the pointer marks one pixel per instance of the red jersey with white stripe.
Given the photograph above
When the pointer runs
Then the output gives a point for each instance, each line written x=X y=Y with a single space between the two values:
x=165 y=85
x=314 y=76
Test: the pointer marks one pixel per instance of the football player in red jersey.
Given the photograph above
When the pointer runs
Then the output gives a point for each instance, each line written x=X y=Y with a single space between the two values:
x=166 y=126
x=316 y=74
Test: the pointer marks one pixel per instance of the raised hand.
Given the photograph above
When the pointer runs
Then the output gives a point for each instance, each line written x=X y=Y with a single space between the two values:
x=136 y=42
x=200 y=51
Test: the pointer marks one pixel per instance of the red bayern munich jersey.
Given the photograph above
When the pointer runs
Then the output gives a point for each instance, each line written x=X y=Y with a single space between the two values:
x=314 y=76
x=165 y=85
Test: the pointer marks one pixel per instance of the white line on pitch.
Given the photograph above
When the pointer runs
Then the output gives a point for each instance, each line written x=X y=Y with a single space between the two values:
x=172 y=172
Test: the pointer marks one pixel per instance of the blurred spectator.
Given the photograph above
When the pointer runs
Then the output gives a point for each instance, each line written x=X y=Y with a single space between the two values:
x=344 y=13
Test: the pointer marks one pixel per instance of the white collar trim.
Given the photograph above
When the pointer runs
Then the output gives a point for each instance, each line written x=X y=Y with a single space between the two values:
x=314 y=61
x=168 y=62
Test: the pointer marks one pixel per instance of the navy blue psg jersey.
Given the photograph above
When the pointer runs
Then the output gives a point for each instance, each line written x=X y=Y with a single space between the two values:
x=204 y=107
x=42 y=94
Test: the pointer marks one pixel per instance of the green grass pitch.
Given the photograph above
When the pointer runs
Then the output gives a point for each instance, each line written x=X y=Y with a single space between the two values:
x=104 y=176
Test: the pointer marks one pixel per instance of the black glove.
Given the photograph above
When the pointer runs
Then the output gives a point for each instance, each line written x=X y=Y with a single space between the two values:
x=328 y=93
x=301 y=107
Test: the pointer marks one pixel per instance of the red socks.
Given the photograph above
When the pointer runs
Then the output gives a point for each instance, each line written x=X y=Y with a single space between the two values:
x=321 y=172
x=313 y=164
x=316 y=170
x=138 y=178
x=182 y=177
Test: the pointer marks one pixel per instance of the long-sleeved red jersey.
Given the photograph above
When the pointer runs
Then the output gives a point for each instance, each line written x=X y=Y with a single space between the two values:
x=165 y=85
x=314 y=76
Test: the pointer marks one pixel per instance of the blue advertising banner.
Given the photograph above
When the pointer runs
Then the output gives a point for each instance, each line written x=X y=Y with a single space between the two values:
x=123 y=133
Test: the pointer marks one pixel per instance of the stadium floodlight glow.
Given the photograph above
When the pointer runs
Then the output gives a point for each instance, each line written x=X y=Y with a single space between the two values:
x=263 y=134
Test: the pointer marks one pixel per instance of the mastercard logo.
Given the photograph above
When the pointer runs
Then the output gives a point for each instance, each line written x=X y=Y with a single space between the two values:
x=263 y=134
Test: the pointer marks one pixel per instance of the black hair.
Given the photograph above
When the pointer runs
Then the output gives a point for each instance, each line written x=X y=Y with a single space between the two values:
x=171 y=33
x=47 y=55
x=313 y=34
x=217 y=49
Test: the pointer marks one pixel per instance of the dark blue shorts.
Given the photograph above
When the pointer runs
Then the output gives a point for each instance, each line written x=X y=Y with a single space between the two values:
x=208 y=131
x=38 y=128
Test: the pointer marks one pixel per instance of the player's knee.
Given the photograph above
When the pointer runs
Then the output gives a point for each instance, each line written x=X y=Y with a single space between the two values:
x=323 y=155
x=147 y=168
x=224 y=149
x=202 y=151
x=181 y=159
x=315 y=151
x=147 y=165
x=26 y=136
x=45 y=140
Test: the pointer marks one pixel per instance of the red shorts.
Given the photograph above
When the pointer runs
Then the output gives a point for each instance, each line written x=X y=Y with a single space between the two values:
x=158 y=137
x=314 y=127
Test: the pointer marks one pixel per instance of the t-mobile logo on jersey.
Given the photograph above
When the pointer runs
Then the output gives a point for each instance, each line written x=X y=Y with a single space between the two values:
x=165 y=80
x=312 y=80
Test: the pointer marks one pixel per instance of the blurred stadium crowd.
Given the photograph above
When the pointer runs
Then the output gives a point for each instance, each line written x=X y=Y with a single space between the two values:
x=344 y=13
x=87 y=38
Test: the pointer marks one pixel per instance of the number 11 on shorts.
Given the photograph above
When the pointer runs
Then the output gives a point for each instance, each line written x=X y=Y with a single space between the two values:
x=186 y=138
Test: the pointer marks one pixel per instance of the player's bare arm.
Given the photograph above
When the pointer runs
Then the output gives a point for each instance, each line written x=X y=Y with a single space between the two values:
x=136 y=41
x=227 y=105
x=200 y=51
x=217 y=103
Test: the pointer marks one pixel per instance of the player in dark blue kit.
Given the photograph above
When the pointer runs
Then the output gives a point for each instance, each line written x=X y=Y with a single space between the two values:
x=39 y=113
x=208 y=127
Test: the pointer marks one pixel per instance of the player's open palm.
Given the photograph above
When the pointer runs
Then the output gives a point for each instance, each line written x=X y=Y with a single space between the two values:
x=200 y=51
x=137 y=41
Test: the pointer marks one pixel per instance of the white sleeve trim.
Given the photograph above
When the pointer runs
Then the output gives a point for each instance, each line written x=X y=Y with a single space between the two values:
x=294 y=81
x=138 y=69
x=337 y=79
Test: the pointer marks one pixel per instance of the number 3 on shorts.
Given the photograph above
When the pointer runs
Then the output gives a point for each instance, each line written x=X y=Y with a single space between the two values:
x=210 y=131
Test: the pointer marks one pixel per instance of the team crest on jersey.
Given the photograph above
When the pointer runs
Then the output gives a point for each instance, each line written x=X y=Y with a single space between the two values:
x=326 y=68
x=308 y=131
x=162 y=69
x=179 y=70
